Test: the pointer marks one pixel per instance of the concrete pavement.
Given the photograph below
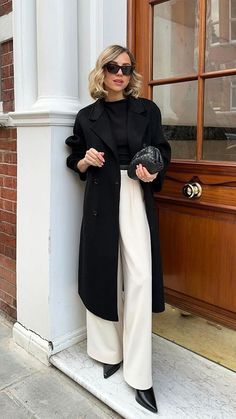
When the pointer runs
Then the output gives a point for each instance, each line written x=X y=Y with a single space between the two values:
x=29 y=389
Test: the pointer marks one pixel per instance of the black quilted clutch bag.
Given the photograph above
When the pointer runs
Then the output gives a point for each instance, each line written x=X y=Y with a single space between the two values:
x=150 y=157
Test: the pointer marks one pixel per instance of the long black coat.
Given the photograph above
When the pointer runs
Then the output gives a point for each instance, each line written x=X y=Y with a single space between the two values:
x=98 y=256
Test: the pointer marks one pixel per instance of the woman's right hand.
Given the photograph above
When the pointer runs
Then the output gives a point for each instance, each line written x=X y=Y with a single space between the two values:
x=91 y=158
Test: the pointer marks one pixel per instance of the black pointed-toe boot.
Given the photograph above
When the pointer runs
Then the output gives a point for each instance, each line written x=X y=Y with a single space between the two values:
x=110 y=369
x=147 y=399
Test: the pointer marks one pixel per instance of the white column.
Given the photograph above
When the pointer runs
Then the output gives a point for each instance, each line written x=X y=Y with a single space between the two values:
x=55 y=57
x=57 y=54
x=101 y=23
x=49 y=202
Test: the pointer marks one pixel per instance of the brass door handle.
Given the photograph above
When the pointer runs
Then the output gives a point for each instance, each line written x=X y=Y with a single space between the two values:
x=192 y=190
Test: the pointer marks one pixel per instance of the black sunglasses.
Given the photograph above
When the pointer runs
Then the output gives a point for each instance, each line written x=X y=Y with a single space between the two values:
x=114 y=68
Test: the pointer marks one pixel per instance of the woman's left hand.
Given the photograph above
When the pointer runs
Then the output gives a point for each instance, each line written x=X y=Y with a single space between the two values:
x=144 y=175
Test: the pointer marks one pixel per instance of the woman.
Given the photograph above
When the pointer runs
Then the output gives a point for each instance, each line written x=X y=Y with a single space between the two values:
x=120 y=277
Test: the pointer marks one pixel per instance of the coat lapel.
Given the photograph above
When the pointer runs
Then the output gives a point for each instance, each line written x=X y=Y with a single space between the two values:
x=137 y=125
x=101 y=126
x=137 y=122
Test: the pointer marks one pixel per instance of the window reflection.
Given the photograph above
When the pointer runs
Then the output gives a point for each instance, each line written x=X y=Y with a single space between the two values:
x=175 y=53
x=220 y=119
x=221 y=35
x=232 y=20
x=175 y=38
x=178 y=104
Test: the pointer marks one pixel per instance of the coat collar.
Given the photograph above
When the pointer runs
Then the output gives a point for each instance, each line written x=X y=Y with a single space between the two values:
x=136 y=124
x=134 y=105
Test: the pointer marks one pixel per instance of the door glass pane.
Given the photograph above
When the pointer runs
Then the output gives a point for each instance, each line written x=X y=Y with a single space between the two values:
x=233 y=31
x=178 y=104
x=175 y=38
x=233 y=8
x=220 y=119
x=220 y=35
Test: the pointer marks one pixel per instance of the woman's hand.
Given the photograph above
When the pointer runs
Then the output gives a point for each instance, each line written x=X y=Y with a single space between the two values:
x=91 y=158
x=144 y=175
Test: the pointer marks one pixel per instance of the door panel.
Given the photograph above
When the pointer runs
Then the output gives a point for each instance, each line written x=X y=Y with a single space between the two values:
x=196 y=280
x=185 y=52
x=198 y=243
x=199 y=274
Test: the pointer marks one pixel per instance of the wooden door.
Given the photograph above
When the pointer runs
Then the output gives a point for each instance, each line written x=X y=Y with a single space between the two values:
x=186 y=52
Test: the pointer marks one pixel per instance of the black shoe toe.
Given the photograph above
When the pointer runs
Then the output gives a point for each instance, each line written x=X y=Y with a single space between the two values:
x=147 y=399
x=110 y=369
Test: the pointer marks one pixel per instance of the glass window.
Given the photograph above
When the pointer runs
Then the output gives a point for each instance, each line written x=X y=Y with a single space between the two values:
x=175 y=38
x=233 y=96
x=215 y=28
x=220 y=119
x=175 y=53
x=178 y=104
x=220 y=35
x=233 y=20
x=233 y=8
x=233 y=31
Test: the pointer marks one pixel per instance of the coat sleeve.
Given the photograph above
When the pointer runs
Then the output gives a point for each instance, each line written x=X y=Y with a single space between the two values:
x=78 y=147
x=161 y=143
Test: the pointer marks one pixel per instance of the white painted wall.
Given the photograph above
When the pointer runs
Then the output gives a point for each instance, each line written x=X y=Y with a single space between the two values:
x=50 y=196
x=101 y=23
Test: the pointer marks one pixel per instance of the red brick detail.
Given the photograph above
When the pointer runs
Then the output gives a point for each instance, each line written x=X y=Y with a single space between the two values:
x=7 y=297
x=8 y=184
x=7 y=228
x=7 y=76
x=8 y=169
x=7 y=83
x=5 y=7
x=8 y=285
x=8 y=206
x=7 y=58
x=9 y=310
x=8 y=263
x=5 y=47
x=7 y=251
x=8 y=276
x=7 y=93
x=8 y=194
x=8 y=161
x=6 y=157
x=7 y=144
x=7 y=217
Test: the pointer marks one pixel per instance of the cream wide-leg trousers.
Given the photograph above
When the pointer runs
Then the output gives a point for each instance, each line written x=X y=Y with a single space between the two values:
x=129 y=339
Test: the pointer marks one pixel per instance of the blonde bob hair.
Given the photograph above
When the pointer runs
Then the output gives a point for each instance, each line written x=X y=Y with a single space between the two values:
x=96 y=76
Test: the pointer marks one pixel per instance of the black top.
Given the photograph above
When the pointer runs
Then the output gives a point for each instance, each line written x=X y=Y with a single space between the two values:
x=117 y=112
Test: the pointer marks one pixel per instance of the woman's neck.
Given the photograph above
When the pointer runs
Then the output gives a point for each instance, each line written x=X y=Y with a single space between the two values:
x=114 y=96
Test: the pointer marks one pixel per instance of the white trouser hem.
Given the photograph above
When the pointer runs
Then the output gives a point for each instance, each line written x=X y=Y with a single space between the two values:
x=145 y=385
x=104 y=359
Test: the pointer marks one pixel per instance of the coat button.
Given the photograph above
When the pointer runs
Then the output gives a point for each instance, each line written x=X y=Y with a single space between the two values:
x=95 y=181
x=117 y=183
x=95 y=213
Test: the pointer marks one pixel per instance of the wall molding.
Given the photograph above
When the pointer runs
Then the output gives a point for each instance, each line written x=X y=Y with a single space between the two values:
x=41 y=348
x=4 y=119
x=69 y=339
x=42 y=118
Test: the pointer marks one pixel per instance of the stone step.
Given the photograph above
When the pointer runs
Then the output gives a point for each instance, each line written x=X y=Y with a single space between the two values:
x=187 y=386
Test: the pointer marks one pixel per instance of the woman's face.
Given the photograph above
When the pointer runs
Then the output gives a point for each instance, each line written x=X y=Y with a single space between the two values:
x=116 y=83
